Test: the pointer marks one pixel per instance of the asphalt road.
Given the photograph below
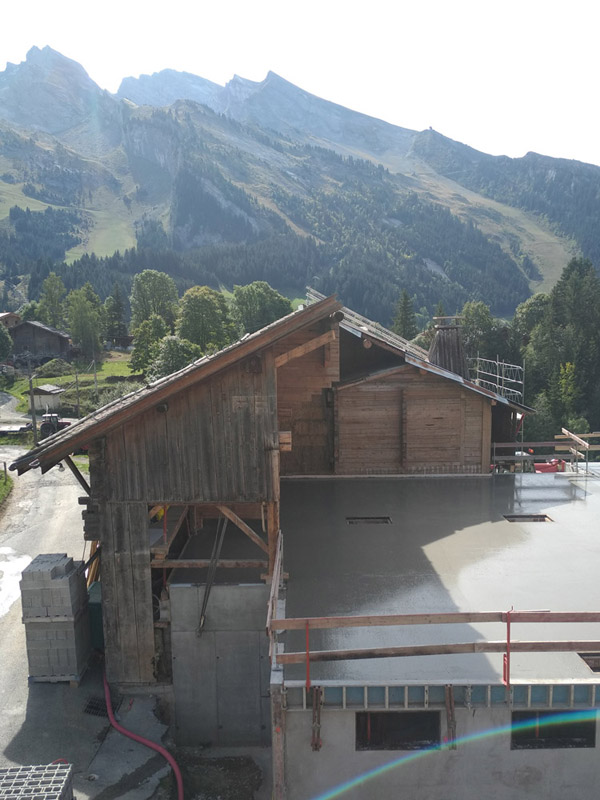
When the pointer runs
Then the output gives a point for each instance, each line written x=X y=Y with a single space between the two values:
x=40 y=722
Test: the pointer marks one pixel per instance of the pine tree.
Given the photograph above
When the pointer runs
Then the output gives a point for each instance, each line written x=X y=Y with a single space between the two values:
x=405 y=323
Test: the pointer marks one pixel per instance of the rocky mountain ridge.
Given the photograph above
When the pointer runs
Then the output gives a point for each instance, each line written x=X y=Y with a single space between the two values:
x=200 y=165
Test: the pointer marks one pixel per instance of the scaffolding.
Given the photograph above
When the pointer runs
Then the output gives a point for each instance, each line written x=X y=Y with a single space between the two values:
x=507 y=380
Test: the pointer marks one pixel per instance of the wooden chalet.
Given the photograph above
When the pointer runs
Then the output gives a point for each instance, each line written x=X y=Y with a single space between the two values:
x=320 y=392
x=39 y=340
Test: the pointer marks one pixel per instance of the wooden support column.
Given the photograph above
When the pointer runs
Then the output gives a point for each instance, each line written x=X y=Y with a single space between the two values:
x=278 y=734
x=273 y=512
x=127 y=594
x=272 y=532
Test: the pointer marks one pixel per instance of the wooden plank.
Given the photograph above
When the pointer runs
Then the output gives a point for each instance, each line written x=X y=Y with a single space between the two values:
x=275 y=581
x=593 y=435
x=575 y=438
x=285 y=441
x=441 y=649
x=305 y=348
x=446 y=618
x=278 y=725
x=204 y=563
x=273 y=534
x=227 y=512
x=82 y=481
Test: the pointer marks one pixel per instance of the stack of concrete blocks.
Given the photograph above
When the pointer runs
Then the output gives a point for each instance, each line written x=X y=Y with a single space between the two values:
x=52 y=782
x=55 y=613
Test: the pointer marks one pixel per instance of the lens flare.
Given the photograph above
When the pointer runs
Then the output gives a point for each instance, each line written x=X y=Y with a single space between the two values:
x=554 y=719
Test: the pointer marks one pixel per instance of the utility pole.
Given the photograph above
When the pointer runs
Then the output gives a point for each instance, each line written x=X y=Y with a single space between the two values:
x=77 y=389
x=95 y=380
x=32 y=406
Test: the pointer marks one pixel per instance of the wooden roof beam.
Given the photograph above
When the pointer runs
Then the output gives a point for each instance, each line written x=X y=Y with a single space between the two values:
x=305 y=348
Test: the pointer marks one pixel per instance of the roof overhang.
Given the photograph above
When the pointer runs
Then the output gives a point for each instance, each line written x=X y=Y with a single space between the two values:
x=62 y=444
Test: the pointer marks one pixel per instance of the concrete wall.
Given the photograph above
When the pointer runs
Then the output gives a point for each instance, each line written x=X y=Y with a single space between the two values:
x=221 y=677
x=483 y=768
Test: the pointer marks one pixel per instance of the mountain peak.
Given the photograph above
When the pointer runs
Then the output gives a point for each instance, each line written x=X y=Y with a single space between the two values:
x=47 y=91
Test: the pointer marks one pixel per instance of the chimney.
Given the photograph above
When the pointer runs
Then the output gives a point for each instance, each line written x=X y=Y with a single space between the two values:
x=447 y=350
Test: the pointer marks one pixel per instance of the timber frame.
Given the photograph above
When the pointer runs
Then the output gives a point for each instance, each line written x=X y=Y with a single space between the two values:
x=211 y=441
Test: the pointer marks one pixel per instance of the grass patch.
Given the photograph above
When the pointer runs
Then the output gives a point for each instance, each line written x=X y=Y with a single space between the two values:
x=111 y=373
x=5 y=487
x=18 y=440
x=82 y=463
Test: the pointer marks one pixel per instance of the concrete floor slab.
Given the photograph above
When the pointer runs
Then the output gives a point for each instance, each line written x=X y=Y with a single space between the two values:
x=447 y=547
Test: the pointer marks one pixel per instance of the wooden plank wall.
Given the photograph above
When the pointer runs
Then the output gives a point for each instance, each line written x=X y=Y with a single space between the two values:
x=212 y=444
x=369 y=428
x=305 y=404
x=411 y=422
x=127 y=594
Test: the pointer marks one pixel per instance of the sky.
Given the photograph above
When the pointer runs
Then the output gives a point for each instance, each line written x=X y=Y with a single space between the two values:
x=504 y=77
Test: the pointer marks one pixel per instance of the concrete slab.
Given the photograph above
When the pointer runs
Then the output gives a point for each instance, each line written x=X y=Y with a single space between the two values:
x=447 y=547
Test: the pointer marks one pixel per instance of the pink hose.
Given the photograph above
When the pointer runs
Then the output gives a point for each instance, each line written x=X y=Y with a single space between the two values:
x=141 y=740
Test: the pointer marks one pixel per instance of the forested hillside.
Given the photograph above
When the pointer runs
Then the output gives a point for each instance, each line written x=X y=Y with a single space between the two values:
x=270 y=183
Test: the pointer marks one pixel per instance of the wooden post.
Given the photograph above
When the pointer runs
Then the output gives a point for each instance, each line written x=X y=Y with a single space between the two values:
x=278 y=734
x=32 y=403
x=273 y=512
x=272 y=533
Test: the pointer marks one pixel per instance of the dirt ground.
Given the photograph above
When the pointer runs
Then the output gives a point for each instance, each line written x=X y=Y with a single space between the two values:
x=204 y=778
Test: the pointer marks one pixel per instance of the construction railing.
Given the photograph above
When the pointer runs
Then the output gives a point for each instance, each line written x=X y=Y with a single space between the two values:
x=575 y=447
x=505 y=646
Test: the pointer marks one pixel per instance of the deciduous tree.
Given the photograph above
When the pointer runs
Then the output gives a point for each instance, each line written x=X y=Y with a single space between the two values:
x=256 y=305
x=153 y=292
x=204 y=319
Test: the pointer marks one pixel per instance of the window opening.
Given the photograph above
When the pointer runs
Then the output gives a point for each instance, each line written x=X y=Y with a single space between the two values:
x=541 y=730
x=397 y=730
x=527 y=518
x=369 y=520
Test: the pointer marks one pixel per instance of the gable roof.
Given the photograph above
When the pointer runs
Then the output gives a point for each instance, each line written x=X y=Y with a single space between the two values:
x=41 y=326
x=111 y=416
x=413 y=354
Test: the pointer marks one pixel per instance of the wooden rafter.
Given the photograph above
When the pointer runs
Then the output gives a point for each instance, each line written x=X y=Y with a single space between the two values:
x=305 y=348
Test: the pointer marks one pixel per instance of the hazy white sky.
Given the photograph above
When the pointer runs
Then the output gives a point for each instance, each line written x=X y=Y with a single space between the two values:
x=504 y=77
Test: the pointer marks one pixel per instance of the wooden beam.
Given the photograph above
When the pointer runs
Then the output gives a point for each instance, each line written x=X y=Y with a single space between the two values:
x=204 y=563
x=305 y=348
x=278 y=723
x=314 y=623
x=239 y=523
x=440 y=649
x=162 y=548
x=73 y=467
x=575 y=438
x=276 y=578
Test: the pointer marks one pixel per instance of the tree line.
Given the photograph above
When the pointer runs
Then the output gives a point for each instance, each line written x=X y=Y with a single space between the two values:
x=556 y=336
x=168 y=331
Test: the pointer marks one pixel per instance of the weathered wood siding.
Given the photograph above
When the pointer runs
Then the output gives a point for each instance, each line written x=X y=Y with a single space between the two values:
x=305 y=404
x=127 y=593
x=411 y=422
x=212 y=444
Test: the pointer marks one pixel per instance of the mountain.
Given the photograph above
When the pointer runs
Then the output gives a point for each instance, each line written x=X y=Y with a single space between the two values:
x=47 y=92
x=264 y=180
